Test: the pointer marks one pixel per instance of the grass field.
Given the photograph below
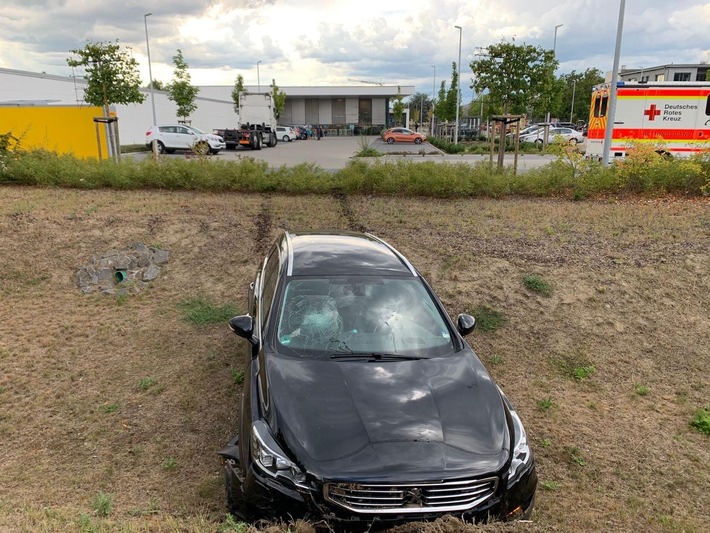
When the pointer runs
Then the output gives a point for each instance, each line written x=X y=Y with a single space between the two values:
x=595 y=321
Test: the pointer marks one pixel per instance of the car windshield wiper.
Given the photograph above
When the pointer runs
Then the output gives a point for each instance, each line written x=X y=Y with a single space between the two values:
x=376 y=356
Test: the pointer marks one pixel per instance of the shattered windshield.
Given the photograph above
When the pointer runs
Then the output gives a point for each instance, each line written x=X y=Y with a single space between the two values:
x=326 y=317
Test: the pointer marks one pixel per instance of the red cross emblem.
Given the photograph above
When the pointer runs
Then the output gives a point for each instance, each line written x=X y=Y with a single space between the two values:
x=652 y=112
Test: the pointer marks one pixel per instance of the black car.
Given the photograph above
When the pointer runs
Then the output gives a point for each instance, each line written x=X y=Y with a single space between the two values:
x=362 y=402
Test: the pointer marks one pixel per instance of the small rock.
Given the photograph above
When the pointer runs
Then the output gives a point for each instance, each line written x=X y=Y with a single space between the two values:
x=151 y=273
x=160 y=257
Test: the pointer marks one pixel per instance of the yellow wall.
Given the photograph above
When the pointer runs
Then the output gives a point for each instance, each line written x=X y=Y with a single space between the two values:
x=62 y=129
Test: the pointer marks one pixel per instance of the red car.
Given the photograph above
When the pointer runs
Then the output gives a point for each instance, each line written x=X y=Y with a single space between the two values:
x=393 y=135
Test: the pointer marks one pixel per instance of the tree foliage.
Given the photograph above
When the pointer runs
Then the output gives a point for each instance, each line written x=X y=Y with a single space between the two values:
x=111 y=74
x=181 y=91
x=580 y=85
x=419 y=105
x=517 y=77
x=398 y=106
x=279 y=98
x=448 y=98
x=238 y=89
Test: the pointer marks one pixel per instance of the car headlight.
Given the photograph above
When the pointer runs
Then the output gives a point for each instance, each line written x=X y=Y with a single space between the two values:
x=269 y=457
x=522 y=454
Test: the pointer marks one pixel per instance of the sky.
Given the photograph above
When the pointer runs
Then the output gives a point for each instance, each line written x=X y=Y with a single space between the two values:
x=348 y=42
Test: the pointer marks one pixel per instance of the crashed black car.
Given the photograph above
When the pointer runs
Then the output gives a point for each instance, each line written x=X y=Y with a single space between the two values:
x=362 y=401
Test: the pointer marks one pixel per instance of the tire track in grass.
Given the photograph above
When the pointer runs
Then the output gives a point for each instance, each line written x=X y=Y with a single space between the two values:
x=353 y=224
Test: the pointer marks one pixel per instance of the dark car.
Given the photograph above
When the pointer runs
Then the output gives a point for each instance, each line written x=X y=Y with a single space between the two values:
x=362 y=402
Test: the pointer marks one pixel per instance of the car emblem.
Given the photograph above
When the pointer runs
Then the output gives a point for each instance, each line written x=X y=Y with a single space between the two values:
x=413 y=497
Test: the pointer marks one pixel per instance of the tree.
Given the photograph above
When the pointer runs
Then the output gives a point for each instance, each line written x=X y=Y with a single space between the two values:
x=580 y=85
x=279 y=98
x=157 y=85
x=181 y=91
x=238 y=89
x=419 y=104
x=441 y=111
x=452 y=94
x=112 y=78
x=398 y=106
x=517 y=77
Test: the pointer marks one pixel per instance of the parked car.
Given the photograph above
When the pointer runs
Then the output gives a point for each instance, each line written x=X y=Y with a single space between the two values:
x=554 y=135
x=362 y=401
x=468 y=133
x=286 y=133
x=301 y=132
x=393 y=135
x=531 y=128
x=171 y=137
x=566 y=125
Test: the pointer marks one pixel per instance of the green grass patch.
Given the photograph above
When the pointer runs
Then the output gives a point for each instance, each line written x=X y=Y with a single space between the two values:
x=549 y=485
x=147 y=383
x=170 y=463
x=544 y=404
x=237 y=376
x=575 y=455
x=574 y=366
x=200 y=311
x=109 y=408
x=102 y=504
x=495 y=359
x=701 y=420
x=487 y=319
x=537 y=284
x=641 y=390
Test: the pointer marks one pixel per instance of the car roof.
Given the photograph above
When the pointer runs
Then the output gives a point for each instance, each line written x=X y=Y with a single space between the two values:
x=339 y=253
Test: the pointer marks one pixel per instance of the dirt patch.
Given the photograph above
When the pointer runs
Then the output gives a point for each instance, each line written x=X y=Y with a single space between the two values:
x=125 y=398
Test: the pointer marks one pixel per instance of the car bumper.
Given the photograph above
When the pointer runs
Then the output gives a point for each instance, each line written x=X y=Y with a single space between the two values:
x=270 y=498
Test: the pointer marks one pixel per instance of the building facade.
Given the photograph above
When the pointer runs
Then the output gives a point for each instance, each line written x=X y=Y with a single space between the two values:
x=672 y=72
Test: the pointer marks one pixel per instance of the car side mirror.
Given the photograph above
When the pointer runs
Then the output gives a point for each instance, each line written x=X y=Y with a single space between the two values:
x=243 y=326
x=465 y=324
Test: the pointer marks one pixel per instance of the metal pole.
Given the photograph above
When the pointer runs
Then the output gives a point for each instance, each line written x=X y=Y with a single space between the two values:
x=554 y=47
x=574 y=88
x=258 y=79
x=612 y=90
x=150 y=70
x=458 y=91
x=433 y=100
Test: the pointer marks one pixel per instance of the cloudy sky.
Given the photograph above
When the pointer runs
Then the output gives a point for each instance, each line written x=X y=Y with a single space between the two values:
x=343 y=42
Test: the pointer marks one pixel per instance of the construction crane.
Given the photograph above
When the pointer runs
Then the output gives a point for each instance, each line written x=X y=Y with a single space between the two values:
x=368 y=82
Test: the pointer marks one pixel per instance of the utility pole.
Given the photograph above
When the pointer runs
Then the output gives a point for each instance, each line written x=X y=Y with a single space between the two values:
x=458 y=90
x=612 y=91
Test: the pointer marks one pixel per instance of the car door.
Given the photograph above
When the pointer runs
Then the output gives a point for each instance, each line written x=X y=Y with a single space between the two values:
x=185 y=138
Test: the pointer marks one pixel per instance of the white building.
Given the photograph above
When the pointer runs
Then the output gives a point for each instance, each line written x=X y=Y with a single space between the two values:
x=345 y=110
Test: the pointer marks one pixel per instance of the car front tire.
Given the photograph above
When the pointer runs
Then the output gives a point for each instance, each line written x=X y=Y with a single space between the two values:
x=417 y=141
x=390 y=140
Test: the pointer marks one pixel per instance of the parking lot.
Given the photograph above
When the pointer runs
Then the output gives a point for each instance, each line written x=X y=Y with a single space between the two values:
x=333 y=153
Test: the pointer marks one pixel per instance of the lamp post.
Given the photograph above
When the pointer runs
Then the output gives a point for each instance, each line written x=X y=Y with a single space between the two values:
x=458 y=91
x=150 y=70
x=258 y=79
x=554 y=46
x=433 y=101
x=611 y=115
x=574 y=89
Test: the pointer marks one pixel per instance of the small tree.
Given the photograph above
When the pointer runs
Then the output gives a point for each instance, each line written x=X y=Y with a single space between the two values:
x=398 y=106
x=238 y=89
x=181 y=91
x=279 y=98
x=517 y=77
x=112 y=78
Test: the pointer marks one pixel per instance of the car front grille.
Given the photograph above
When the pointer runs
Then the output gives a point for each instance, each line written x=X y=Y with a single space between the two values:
x=426 y=497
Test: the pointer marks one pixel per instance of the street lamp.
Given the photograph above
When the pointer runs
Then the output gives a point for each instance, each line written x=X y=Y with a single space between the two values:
x=611 y=115
x=574 y=89
x=433 y=101
x=258 y=79
x=150 y=70
x=458 y=90
x=554 y=41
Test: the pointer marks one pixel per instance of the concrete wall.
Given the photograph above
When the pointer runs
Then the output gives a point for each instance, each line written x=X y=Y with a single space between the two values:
x=62 y=129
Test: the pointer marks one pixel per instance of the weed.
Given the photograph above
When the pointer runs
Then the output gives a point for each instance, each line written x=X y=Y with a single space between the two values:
x=169 y=463
x=200 y=312
x=109 y=407
x=237 y=376
x=550 y=485
x=581 y=373
x=488 y=319
x=146 y=383
x=701 y=420
x=545 y=443
x=496 y=359
x=365 y=149
x=121 y=298
x=537 y=284
x=575 y=456
x=102 y=504
x=544 y=404
x=86 y=525
x=231 y=525
x=2 y=389
x=641 y=390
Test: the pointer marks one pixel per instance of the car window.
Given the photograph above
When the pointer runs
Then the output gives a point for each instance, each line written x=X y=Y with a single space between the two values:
x=320 y=317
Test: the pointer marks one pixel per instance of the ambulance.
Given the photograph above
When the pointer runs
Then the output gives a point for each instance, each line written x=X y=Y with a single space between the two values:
x=673 y=116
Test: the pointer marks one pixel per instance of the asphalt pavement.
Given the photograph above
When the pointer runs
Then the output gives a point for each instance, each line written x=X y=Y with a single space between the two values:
x=334 y=153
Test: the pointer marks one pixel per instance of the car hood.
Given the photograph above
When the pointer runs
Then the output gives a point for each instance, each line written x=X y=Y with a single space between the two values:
x=389 y=420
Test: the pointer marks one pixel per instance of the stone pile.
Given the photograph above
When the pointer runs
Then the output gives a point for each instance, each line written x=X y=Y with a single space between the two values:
x=122 y=271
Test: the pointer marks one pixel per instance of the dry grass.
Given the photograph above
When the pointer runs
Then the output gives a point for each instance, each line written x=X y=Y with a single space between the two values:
x=631 y=297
